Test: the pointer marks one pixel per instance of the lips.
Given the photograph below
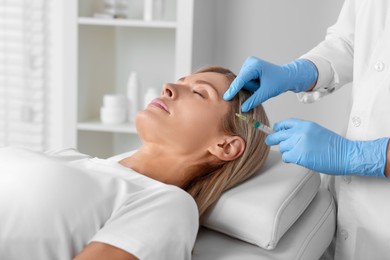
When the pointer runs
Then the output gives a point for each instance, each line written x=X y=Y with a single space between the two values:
x=160 y=104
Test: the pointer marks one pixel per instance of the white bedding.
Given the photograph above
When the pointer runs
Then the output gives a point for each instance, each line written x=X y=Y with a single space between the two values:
x=50 y=209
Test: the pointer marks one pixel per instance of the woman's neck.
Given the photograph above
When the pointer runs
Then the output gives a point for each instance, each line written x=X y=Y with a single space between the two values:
x=163 y=166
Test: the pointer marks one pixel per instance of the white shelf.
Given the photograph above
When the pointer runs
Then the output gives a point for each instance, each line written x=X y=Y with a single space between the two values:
x=127 y=23
x=98 y=126
x=104 y=51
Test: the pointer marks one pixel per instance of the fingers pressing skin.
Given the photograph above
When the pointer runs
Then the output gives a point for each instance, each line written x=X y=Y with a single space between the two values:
x=246 y=78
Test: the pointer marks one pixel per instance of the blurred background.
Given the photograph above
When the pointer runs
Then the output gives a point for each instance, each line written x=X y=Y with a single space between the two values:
x=74 y=73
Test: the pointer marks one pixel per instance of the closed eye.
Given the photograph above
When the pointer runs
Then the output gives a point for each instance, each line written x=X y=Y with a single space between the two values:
x=197 y=93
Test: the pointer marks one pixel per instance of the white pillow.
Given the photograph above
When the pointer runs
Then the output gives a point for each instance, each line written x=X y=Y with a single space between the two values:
x=260 y=210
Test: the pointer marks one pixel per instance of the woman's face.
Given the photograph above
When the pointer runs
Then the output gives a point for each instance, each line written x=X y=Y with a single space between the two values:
x=187 y=116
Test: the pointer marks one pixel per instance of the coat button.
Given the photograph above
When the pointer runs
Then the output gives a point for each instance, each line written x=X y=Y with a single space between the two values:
x=344 y=234
x=356 y=121
x=347 y=179
x=379 y=66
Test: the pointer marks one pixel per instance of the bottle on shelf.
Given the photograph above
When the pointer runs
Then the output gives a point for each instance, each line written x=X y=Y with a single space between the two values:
x=132 y=95
x=150 y=94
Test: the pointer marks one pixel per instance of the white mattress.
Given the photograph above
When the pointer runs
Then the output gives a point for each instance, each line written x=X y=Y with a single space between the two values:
x=307 y=239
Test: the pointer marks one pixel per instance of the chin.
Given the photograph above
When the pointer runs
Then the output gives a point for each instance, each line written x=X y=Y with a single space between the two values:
x=147 y=125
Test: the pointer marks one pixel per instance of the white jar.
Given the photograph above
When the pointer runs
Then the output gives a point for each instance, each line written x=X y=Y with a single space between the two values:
x=115 y=101
x=110 y=115
x=114 y=109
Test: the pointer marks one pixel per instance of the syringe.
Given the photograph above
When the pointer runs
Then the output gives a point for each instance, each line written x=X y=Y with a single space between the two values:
x=256 y=124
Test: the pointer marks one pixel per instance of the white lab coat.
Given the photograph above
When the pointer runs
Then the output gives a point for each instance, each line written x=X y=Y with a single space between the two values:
x=357 y=48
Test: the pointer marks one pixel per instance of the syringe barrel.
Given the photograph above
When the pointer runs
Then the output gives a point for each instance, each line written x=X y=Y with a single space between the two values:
x=266 y=129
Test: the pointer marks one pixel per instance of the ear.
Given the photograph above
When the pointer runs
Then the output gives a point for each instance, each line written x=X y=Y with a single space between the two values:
x=228 y=148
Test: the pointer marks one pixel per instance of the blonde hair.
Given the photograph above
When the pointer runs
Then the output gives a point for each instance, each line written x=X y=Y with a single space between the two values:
x=209 y=187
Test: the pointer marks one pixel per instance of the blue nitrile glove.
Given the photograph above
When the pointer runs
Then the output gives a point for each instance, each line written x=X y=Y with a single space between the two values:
x=312 y=146
x=269 y=80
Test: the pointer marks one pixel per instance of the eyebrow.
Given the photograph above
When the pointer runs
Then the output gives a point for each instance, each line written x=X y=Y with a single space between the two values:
x=200 y=81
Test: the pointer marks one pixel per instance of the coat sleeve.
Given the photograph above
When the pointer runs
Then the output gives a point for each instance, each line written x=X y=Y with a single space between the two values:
x=334 y=56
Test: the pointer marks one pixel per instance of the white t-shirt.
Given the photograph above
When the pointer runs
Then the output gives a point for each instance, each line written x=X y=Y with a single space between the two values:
x=53 y=205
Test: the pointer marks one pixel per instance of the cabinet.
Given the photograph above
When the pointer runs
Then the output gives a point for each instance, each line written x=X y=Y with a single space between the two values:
x=107 y=50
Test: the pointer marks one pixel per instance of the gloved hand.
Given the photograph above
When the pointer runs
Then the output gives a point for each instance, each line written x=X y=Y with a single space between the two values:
x=312 y=146
x=269 y=80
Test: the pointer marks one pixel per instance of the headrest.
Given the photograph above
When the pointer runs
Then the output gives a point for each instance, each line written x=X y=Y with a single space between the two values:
x=263 y=208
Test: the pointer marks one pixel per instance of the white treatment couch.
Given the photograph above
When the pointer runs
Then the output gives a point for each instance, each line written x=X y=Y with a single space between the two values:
x=281 y=213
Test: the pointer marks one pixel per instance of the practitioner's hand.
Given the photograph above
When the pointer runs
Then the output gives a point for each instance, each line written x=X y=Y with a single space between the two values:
x=315 y=147
x=268 y=80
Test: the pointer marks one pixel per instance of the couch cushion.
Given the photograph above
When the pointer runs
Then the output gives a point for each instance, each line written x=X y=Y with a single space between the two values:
x=261 y=210
x=307 y=239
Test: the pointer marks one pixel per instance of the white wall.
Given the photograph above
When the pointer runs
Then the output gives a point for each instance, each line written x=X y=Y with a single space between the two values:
x=280 y=31
x=276 y=30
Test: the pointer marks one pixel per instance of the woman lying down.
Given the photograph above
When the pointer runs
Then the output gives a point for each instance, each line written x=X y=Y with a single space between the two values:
x=68 y=205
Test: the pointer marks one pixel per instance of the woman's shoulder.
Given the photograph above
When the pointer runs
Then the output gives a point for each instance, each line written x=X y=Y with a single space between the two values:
x=175 y=209
x=175 y=197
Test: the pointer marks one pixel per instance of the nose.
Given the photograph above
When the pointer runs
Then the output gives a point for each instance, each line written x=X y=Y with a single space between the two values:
x=168 y=90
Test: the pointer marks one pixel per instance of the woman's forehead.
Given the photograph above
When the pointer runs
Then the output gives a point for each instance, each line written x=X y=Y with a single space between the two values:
x=217 y=80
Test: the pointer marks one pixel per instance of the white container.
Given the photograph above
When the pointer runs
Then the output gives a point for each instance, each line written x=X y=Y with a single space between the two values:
x=115 y=101
x=114 y=109
x=132 y=95
x=150 y=94
x=110 y=115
